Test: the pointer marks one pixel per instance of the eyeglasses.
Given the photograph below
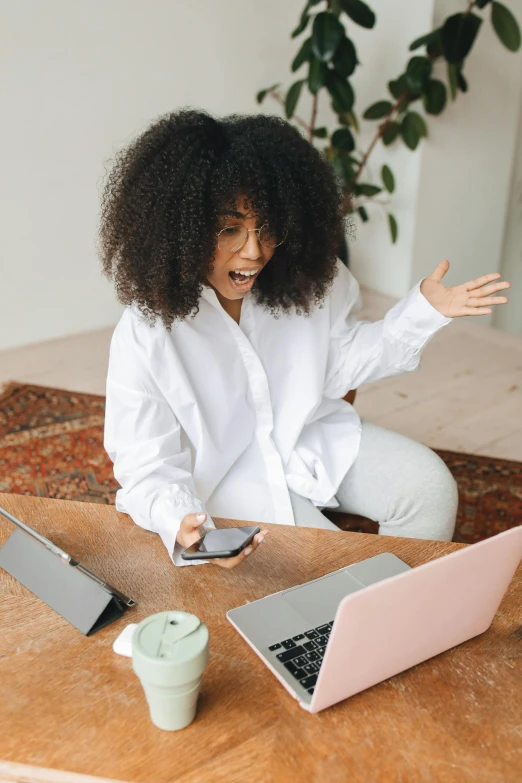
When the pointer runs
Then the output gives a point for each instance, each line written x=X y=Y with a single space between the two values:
x=232 y=238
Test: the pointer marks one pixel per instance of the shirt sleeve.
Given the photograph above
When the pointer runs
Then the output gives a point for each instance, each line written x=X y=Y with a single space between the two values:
x=361 y=351
x=142 y=437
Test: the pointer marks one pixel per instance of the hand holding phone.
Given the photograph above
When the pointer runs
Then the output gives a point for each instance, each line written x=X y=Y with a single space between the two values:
x=226 y=549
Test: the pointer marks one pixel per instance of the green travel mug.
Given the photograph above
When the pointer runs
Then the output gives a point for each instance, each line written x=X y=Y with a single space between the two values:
x=169 y=655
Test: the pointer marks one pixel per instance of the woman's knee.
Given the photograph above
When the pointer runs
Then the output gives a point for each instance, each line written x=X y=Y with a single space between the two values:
x=434 y=495
x=401 y=484
x=443 y=486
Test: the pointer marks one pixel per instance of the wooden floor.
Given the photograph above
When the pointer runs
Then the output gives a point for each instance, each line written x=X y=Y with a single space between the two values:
x=466 y=395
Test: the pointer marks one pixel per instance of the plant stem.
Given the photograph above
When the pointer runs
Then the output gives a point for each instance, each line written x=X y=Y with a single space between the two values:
x=378 y=135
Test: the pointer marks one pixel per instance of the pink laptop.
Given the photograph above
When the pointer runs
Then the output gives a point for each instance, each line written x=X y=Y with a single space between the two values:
x=335 y=636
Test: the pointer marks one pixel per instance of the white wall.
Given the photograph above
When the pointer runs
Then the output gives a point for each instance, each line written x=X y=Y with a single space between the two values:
x=80 y=80
x=510 y=316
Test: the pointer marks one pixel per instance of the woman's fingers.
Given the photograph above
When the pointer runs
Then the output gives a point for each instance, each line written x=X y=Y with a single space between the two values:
x=227 y=562
x=189 y=532
x=476 y=311
x=196 y=520
x=480 y=281
x=492 y=289
x=488 y=300
x=481 y=301
x=232 y=562
x=256 y=541
x=440 y=270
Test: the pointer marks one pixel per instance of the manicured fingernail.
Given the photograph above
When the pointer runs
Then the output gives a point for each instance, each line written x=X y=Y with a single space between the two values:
x=248 y=550
x=201 y=517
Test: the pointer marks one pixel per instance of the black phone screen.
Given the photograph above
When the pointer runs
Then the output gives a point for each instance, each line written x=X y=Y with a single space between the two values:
x=222 y=542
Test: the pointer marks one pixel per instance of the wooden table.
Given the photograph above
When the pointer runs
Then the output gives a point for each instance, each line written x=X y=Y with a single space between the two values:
x=68 y=702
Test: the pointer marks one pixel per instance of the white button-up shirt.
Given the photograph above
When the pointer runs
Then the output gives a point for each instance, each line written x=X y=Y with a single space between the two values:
x=225 y=418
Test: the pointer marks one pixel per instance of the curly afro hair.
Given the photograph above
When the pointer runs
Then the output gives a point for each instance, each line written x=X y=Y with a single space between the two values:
x=162 y=199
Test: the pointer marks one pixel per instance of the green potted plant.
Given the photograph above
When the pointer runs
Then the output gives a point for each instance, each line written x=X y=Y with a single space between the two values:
x=327 y=59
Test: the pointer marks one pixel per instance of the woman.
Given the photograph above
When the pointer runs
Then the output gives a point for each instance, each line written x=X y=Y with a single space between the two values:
x=228 y=367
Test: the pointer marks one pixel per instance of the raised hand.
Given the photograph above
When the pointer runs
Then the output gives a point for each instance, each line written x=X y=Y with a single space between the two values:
x=471 y=298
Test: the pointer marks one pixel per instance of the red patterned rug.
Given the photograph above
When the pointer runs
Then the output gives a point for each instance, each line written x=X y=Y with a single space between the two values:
x=51 y=445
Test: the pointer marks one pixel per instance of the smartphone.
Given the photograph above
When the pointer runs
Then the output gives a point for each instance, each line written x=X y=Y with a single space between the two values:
x=222 y=542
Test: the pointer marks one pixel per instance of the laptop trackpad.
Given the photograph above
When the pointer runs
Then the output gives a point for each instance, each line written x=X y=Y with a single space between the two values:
x=317 y=601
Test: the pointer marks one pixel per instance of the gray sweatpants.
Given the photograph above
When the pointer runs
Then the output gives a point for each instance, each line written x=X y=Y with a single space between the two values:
x=395 y=481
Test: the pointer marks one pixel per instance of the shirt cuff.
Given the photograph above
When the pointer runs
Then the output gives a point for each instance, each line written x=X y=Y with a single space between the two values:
x=414 y=320
x=166 y=518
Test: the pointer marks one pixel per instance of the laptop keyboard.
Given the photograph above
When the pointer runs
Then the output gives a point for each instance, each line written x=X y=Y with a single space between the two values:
x=302 y=655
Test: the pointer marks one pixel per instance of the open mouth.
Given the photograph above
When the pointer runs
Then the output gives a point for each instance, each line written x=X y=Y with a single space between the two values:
x=242 y=282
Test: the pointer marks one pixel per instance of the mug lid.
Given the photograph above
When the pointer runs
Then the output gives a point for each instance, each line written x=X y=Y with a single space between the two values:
x=159 y=635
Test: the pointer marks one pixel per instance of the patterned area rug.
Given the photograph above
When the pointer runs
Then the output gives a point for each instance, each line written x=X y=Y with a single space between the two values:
x=51 y=445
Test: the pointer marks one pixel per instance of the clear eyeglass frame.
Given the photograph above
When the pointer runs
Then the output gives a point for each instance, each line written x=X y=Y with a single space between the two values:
x=226 y=239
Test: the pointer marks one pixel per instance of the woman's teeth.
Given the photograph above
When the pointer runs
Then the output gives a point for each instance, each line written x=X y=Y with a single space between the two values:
x=242 y=278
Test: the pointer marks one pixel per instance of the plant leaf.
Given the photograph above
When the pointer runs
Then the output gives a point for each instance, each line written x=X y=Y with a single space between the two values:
x=316 y=75
x=341 y=91
x=347 y=162
x=377 y=110
x=482 y=3
x=327 y=32
x=417 y=73
x=321 y=133
x=394 y=229
x=359 y=12
x=397 y=86
x=345 y=58
x=292 y=96
x=452 y=79
x=505 y=26
x=348 y=119
x=363 y=213
x=305 y=18
x=461 y=81
x=365 y=189
x=390 y=132
x=434 y=96
x=342 y=139
x=425 y=39
x=263 y=93
x=337 y=165
x=354 y=121
x=419 y=123
x=388 y=178
x=434 y=48
x=410 y=132
x=402 y=105
x=304 y=54
x=458 y=35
